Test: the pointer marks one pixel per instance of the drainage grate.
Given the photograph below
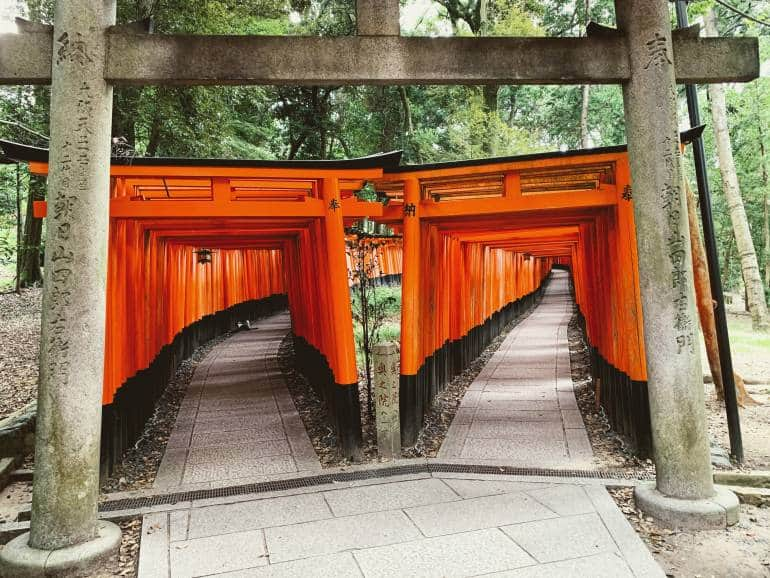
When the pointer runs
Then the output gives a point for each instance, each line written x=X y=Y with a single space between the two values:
x=323 y=479
x=543 y=472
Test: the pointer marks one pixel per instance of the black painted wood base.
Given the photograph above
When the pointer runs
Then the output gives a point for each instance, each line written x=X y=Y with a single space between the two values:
x=124 y=419
x=625 y=401
x=342 y=401
x=417 y=392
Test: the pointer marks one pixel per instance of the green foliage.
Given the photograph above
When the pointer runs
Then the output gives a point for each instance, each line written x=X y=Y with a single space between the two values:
x=385 y=299
x=429 y=123
x=749 y=120
x=385 y=306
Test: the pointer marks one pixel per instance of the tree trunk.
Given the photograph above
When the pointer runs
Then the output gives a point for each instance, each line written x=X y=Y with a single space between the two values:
x=585 y=140
x=29 y=252
x=407 y=107
x=767 y=237
x=154 y=141
x=489 y=94
x=703 y=296
x=19 y=239
x=749 y=265
x=728 y=260
x=705 y=302
x=766 y=201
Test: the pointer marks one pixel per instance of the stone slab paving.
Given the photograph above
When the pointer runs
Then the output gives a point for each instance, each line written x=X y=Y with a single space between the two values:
x=440 y=525
x=239 y=425
x=237 y=419
x=521 y=408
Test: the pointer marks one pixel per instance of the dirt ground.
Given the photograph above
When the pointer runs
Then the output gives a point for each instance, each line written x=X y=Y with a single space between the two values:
x=755 y=426
x=751 y=360
x=741 y=551
x=19 y=347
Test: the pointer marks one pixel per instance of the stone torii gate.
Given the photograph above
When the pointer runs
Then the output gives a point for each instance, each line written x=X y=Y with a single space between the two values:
x=83 y=55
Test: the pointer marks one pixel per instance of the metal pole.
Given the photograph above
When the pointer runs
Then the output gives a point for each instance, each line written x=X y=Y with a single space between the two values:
x=19 y=237
x=704 y=194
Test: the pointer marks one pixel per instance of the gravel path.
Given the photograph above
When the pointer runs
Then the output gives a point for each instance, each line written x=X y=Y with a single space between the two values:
x=610 y=450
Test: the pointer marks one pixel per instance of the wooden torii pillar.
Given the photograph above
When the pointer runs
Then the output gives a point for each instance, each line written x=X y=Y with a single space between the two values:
x=83 y=55
x=411 y=397
x=344 y=394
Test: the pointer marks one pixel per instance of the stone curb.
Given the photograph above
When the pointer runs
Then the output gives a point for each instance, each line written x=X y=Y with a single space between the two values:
x=7 y=465
x=747 y=380
x=753 y=496
x=757 y=479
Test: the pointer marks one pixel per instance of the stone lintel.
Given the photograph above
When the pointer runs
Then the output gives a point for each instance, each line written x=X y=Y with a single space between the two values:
x=704 y=61
x=25 y=58
x=139 y=59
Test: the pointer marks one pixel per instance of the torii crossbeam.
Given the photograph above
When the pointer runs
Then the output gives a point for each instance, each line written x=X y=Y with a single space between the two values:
x=84 y=55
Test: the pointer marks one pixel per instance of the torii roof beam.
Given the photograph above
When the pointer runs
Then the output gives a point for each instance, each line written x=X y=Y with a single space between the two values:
x=145 y=59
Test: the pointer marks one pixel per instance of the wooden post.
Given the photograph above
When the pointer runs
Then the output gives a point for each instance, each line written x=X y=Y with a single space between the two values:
x=344 y=394
x=411 y=398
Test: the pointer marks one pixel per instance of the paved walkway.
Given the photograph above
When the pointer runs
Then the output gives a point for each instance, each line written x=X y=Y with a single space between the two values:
x=239 y=424
x=237 y=419
x=420 y=525
x=521 y=409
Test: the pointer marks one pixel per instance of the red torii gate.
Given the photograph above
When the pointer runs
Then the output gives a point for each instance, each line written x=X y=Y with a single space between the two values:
x=278 y=228
x=479 y=238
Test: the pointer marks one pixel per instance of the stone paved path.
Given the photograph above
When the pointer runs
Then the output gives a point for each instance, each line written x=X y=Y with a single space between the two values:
x=419 y=525
x=237 y=419
x=238 y=424
x=521 y=409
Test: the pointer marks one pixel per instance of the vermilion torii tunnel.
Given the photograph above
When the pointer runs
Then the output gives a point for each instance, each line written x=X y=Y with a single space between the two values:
x=274 y=235
x=479 y=240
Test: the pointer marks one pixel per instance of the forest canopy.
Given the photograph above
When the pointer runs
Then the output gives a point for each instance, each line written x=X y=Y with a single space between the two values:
x=429 y=123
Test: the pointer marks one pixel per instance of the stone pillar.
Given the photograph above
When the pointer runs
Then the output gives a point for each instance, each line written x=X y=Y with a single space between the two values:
x=377 y=17
x=66 y=537
x=685 y=492
x=386 y=379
